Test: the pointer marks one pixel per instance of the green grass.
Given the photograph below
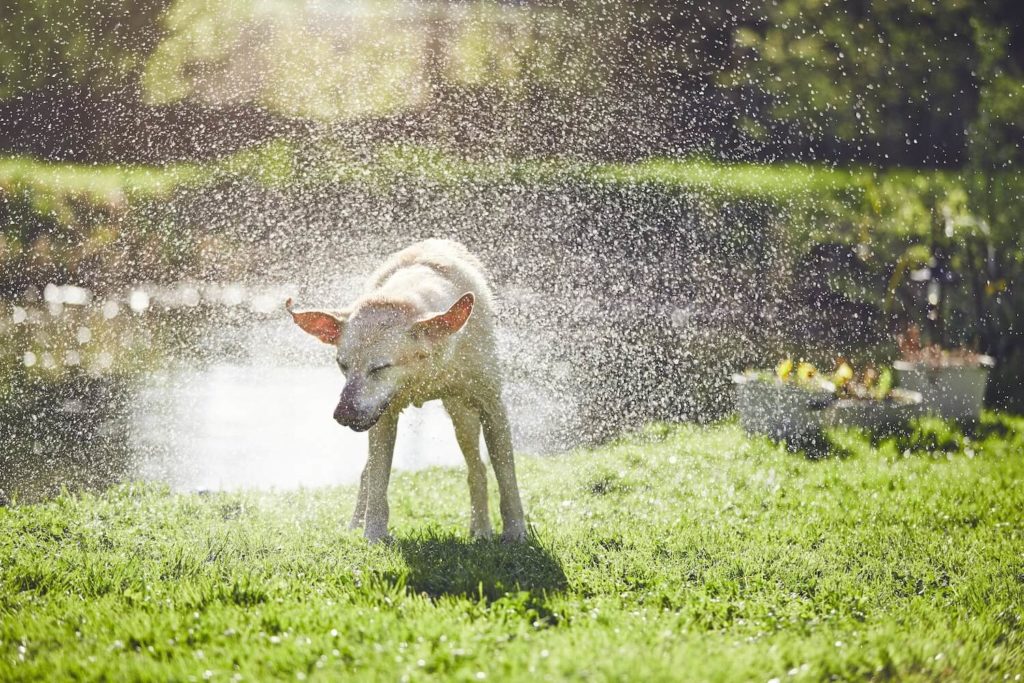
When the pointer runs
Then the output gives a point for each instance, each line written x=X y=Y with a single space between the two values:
x=276 y=163
x=681 y=553
x=813 y=202
x=49 y=185
x=773 y=181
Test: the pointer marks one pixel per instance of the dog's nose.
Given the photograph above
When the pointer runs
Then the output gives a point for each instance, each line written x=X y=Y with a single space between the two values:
x=342 y=416
x=351 y=421
x=347 y=415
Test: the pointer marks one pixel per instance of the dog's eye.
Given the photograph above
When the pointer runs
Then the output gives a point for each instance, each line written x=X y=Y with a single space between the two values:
x=343 y=368
x=377 y=370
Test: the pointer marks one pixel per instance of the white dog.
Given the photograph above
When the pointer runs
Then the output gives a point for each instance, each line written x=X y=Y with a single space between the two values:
x=423 y=330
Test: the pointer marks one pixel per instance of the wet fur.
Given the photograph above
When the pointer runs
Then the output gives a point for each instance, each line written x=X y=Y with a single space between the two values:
x=461 y=369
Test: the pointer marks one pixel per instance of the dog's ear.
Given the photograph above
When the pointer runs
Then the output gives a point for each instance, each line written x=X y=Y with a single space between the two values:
x=326 y=326
x=439 y=326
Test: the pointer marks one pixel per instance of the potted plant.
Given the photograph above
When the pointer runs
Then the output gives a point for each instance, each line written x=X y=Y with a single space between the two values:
x=950 y=376
x=796 y=401
x=786 y=404
x=951 y=381
x=871 y=400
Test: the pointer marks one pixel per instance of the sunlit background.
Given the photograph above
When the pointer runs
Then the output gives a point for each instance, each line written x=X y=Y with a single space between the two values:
x=663 y=193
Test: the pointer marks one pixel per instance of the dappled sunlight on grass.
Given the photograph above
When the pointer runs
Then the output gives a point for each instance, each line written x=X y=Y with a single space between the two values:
x=676 y=548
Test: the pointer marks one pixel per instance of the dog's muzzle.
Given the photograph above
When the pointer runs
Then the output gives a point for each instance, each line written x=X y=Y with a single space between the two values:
x=347 y=415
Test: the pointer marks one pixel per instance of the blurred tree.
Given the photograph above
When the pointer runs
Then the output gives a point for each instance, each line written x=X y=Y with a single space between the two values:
x=99 y=44
x=71 y=87
x=886 y=81
x=890 y=81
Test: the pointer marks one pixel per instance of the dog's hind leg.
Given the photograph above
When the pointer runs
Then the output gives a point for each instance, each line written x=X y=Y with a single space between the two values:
x=378 y=466
x=466 y=420
x=498 y=436
x=359 y=516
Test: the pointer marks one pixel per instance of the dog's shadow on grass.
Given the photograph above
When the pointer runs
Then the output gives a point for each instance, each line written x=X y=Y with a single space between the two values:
x=442 y=565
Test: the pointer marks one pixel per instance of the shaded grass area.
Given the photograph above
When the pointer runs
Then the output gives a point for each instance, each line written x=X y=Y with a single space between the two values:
x=819 y=202
x=677 y=553
x=112 y=225
x=279 y=163
x=283 y=163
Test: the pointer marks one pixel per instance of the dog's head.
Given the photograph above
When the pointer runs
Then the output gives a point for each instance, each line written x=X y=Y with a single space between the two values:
x=383 y=348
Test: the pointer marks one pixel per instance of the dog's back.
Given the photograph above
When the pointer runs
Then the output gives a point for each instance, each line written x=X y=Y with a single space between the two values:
x=447 y=259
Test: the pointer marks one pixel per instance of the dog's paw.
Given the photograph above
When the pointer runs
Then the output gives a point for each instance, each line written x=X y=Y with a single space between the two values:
x=514 y=534
x=481 y=534
x=375 y=537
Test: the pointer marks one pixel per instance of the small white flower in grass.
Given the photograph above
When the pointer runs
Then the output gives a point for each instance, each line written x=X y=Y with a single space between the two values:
x=480 y=675
x=774 y=680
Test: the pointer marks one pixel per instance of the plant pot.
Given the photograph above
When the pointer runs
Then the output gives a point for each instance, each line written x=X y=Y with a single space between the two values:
x=779 y=409
x=885 y=416
x=952 y=392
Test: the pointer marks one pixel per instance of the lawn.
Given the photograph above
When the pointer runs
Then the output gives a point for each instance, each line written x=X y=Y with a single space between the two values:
x=678 y=553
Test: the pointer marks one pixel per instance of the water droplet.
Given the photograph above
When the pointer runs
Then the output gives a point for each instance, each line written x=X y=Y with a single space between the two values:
x=138 y=301
x=52 y=294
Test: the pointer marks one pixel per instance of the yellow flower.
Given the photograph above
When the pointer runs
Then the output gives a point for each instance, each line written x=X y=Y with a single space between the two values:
x=784 y=368
x=843 y=374
x=805 y=371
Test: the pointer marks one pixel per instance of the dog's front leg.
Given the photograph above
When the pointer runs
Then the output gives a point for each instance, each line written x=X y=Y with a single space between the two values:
x=498 y=437
x=378 y=474
x=359 y=515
